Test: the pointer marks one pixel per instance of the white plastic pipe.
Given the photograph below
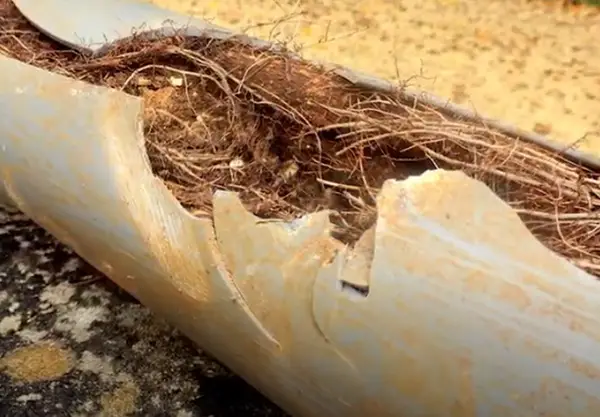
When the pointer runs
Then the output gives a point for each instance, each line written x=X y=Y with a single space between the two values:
x=466 y=313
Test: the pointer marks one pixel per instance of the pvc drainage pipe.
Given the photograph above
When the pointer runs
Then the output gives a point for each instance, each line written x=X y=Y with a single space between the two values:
x=466 y=313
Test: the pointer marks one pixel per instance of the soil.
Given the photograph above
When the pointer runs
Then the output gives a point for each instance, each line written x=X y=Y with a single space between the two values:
x=530 y=62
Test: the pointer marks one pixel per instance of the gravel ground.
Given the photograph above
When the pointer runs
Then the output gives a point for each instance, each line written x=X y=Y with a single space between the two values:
x=72 y=344
x=533 y=63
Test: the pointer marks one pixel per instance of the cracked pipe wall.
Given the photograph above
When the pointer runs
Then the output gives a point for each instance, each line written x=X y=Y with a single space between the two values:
x=459 y=291
x=467 y=314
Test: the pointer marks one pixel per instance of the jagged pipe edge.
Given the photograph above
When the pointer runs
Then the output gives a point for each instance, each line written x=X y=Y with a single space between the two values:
x=265 y=297
x=173 y=255
x=157 y=22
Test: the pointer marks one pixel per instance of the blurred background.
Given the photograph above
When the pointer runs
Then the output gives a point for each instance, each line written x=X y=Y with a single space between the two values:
x=533 y=63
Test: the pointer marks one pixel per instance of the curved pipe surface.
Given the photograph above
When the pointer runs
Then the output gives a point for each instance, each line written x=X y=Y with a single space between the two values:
x=466 y=313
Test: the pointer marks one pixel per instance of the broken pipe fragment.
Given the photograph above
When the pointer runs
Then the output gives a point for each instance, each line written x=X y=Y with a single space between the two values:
x=466 y=314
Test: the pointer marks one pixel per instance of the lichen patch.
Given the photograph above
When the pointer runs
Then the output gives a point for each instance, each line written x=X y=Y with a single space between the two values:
x=78 y=321
x=120 y=402
x=10 y=324
x=38 y=362
x=58 y=294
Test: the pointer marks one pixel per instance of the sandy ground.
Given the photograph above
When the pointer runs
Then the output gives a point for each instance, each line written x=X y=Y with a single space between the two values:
x=532 y=63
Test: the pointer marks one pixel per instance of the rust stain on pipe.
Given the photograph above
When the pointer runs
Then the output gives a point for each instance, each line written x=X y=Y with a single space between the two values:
x=466 y=313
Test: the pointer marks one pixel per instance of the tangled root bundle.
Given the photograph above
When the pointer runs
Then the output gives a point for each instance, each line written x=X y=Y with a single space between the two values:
x=292 y=138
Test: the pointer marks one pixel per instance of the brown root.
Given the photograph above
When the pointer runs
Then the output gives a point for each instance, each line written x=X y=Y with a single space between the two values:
x=293 y=138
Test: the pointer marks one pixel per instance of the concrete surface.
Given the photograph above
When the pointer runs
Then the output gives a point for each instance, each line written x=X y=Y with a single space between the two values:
x=74 y=344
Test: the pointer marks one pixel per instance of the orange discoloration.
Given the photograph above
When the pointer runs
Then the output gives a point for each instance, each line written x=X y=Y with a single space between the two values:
x=550 y=354
x=570 y=316
x=583 y=368
x=149 y=206
x=476 y=282
x=553 y=395
x=540 y=351
x=464 y=405
x=514 y=295
x=505 y=335
x=551 y=288
x=373 y=407
x=452 y=393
